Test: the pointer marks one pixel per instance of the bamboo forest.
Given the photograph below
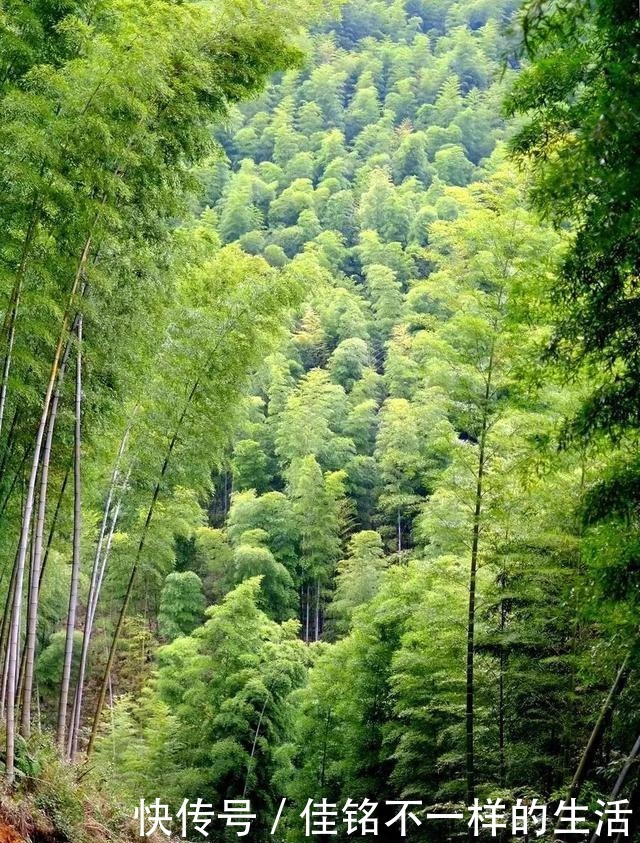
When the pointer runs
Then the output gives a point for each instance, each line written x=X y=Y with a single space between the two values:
x=319 y=420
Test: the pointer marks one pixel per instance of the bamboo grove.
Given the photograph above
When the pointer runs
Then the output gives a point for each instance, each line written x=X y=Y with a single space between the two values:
x=106 y=109
x=318 y=405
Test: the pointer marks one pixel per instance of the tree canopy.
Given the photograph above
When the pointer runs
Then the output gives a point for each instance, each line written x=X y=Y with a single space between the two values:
x=318 y=409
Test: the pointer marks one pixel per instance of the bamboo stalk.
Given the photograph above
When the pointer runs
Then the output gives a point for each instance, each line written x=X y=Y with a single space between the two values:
x=596 y=733
x=75 y=567
x=26 y=520
x=134 y=570
x=12 y=311
x=97 y=575
x=471 y=615
x=34 y=589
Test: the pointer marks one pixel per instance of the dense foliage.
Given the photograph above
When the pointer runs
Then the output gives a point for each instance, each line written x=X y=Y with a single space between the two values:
x=313 y=361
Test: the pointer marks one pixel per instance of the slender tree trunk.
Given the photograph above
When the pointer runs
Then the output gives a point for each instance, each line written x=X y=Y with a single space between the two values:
x=317 y=610
x=12 y=310
x=54 y=522
x=23 y=662
x=16 y=477
x=105 y=557
x=631 y=759
x=253 y=746
x=307 y=631
x=501 y=746
x=23 y=658
x=5 y=682
x=7 y=362
x=617 y=788
x=112 y=718
x=134 y=570
x=38 y=713
x=112 y=651
x=97 y=574
x=4 y=627
x=325 y=747
x=26 y=521
x=35 y=580
x=4 y=636
x=471 y=618
x=75 y=567
x=598 y=729
x=22 y=693
x=8 y=448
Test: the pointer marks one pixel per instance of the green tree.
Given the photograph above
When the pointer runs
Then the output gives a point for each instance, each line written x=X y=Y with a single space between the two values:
x=452 y=165
x=251 y=467
x=386 y=295
x=473 y=358
x=363 y=110
x=252 y=559
x=411 y=159
x=348 y=361
x=383 y=210
x=270 y=513
x=583 y=74
x=316 y=503
x=220 y=705
x=311 y=422
x=358 y=578
x=181 y=605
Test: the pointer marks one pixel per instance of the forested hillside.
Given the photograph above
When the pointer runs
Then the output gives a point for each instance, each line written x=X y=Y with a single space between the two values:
x=318 y=412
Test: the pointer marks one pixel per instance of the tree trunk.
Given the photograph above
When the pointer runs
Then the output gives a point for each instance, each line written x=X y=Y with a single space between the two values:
x=134 y=570
x=633 y=755
x=317 y=610
x=12 y=310
x=7 y=362
x=471 y=618
x=54 y=522
x=598 y=729
x=22 y=696
x=23 y=658
x=325 y=747
x=34 y=586
x=8 y=448
x=253 y=746
x=4 y=635
x=501 y=747
x=105 y=557
x=75 y=566
x=16 y=477
x=112 y=651
x=622 y=777
x=26 y=521
x=38 y=713
x=307 y=631
x=97 y=574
